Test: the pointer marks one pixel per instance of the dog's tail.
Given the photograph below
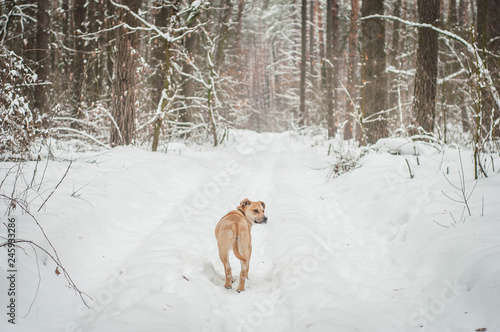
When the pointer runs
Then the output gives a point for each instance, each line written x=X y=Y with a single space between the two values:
x=236 y=249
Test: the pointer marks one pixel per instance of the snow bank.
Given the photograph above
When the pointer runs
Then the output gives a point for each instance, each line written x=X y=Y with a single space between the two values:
x=404 y=146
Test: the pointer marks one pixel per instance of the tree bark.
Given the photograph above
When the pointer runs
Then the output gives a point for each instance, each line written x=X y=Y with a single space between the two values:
x=123 y=88
x=42 y=59
x=311 y=38
x=462 y=13
x=79 y=14
x=374 y=78
x=488 y=37
x=452 y=14
x=158 y=61
x=110 y=35
x=158 y=124
x=351 y=71
x=463 y=18
x=321 y=44
x=187 y=87
x=303 y=60
x=424 y=104
x=332 y=26
x=224 y=23
x=239 y=24
x=162 y=75
x=93 y=69
x=393 y=53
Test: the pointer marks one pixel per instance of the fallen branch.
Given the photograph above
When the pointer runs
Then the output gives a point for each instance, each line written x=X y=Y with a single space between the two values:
x=57 y=261
x=60 y=181
x=83 y=134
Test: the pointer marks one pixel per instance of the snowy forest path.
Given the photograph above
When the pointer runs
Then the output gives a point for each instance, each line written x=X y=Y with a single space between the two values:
x=309 y=241
x=358 y=252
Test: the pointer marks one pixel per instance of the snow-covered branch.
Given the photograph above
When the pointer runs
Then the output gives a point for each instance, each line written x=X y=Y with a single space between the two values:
x=164 y=35
x=471 y=48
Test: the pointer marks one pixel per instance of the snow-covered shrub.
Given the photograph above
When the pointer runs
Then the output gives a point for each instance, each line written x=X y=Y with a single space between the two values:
x=344 y=163
x=18 y=124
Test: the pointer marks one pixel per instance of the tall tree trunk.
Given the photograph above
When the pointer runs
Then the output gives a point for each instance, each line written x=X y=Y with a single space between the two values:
x=374 y=78
x=42 y=59
x=463 y=24
x=224 y=23
x=161 y=76
x=311 y=38
x=102 y=42
x=123 y=88
x=158 y=53
x=321 y=44
x=79 y=14
x=351 y=70
x=66 y=26
x=110 y=35
x=187 y=87
x=92 y=48
x=12 y=29
x=158 y=124
x=394 y=52
x=239 y=24
x=463 y=16
x=303 y=60
x=332 y=25
x=488 y=37
x=424 y=103
x=452 y=13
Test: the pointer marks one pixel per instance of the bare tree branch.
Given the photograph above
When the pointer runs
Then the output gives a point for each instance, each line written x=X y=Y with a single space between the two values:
x=45 y=201
x=471 y=48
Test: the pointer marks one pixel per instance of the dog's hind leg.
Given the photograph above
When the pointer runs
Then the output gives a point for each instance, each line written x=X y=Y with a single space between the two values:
x=243 y=276
x=245 y=266
x=224 y=257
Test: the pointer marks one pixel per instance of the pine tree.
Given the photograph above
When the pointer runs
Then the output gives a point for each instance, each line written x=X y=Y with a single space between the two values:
x=373 y=75
x=424 y=104
x=351 y=71
x=42 y=59
x=488 y=38
x=332 y=28
x=303 y=59
x=79 y=16
x=123 y=86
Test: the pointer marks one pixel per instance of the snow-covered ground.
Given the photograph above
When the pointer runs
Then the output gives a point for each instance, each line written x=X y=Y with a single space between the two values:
x=360 y=252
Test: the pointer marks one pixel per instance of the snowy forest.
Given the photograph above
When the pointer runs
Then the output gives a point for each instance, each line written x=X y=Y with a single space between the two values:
x=146 y=72
x=368 y=131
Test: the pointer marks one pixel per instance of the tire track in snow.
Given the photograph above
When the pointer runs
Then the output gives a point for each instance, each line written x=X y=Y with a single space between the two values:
x=288 y=289
x=317 y=254
x=267 y=306
x=256 y=183
x=177 y=248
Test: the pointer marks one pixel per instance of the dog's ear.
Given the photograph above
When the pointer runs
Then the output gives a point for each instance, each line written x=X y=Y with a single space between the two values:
x=263 y=204
x=244 y=203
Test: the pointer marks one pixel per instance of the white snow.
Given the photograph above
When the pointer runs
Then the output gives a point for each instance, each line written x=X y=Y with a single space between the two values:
x=361 y=252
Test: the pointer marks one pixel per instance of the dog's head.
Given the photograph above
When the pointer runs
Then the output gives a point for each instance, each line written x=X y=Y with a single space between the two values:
x=253 y=211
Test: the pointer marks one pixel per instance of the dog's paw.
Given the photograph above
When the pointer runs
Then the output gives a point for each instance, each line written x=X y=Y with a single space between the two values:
x=228 y=287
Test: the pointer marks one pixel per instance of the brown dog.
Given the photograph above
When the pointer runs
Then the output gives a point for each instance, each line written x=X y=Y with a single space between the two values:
x=233 y=232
